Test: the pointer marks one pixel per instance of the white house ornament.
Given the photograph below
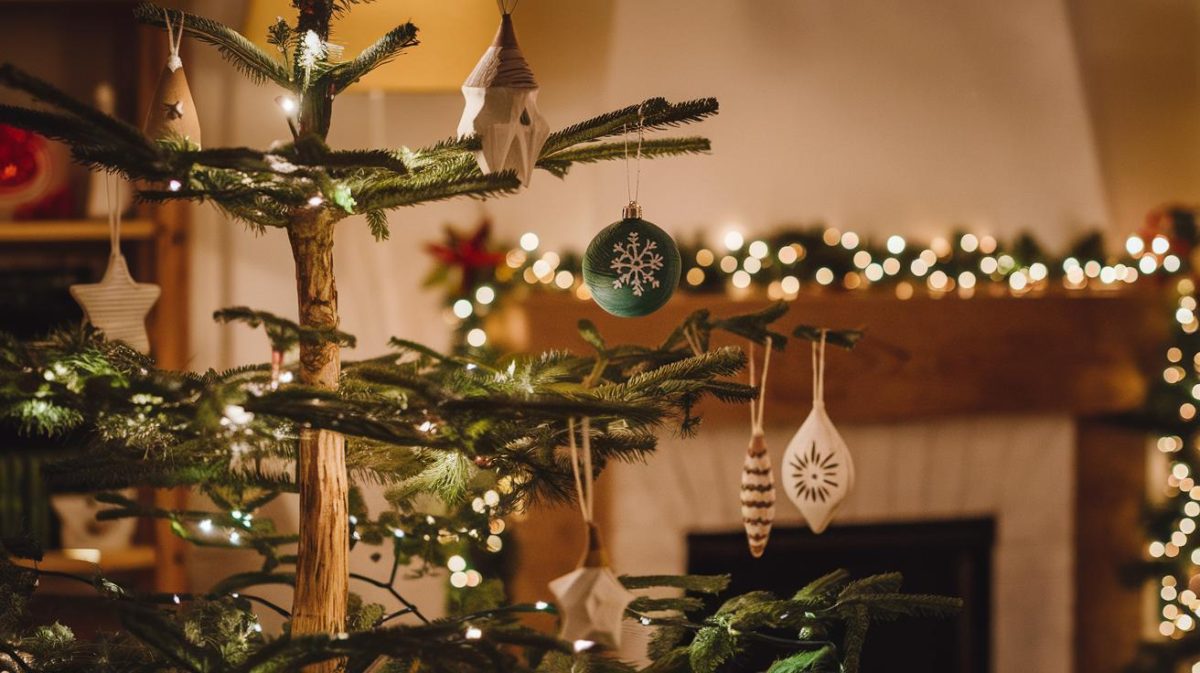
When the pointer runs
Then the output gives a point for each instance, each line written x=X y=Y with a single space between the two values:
x=117 y=305
x=172 y=112
x=501 y=108
x=591 y=600
x=758 y=495
x=632 y=266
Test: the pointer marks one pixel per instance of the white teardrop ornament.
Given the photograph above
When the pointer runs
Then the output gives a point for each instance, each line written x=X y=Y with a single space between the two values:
x=818 y=471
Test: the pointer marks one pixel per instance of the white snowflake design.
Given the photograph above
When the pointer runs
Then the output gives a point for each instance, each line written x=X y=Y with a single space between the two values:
x=636 y=264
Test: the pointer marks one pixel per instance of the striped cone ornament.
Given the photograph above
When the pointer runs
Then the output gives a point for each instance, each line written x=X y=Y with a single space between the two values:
x=758 y=495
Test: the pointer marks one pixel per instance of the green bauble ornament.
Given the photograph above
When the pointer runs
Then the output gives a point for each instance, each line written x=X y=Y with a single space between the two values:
x=632 y=266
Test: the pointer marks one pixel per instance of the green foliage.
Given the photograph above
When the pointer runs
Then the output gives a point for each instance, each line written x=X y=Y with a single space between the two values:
x=283 y=334
x=711 y=647
x=819 y=660
x=382 y=51
x=240 y=52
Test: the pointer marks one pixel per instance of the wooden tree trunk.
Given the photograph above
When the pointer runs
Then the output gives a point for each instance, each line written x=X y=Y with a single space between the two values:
x=322 y=563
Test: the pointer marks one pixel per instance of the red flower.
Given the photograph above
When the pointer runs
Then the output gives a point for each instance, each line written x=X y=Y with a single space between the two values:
x=469 y=253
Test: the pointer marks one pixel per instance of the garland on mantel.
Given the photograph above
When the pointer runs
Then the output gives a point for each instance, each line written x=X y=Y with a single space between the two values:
x=479 y=278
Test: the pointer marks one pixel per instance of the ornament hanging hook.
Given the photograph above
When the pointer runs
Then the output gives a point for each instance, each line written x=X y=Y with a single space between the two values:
x=174 y=39
x=757 y=405
x=583 y=484
x=112 y=192
x=818 y=362
x=634 y=209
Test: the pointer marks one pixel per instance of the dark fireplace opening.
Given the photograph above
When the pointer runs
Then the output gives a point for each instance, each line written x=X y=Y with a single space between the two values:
x=948 y=557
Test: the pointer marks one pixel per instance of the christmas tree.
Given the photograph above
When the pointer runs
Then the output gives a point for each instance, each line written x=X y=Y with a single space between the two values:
x=460 y=440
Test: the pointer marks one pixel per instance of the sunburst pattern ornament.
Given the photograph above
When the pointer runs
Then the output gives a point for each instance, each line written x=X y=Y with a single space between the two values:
x=758 y=480
x=117 y=305
x=501 y=107
x=172 y=111
x=590 y=598
x=818 y=471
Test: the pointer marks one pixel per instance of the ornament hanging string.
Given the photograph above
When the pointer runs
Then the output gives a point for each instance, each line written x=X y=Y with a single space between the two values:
x=505 y=10
x=174 y=40
x=818 y=361
x=632 y=192
x=112 y=192
x=583 y=484
x=758 y=405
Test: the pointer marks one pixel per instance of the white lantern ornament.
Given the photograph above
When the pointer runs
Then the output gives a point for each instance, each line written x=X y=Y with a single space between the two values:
x=501 y=107
x=590 y=598
x=818 y=472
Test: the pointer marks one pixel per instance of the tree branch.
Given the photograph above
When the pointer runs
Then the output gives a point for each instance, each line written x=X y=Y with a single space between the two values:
x=233 y=46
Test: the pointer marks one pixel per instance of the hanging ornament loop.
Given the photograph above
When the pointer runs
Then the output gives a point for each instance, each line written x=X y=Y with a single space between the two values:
x=633 y=188
x=174 y=40
x=112 y=191
x=505 y=8
x=818 y=363
x=583 y=484
x=758 y=404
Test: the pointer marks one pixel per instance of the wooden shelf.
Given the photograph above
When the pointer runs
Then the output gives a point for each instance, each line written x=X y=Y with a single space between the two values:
x=69 y=231
x=85 y=561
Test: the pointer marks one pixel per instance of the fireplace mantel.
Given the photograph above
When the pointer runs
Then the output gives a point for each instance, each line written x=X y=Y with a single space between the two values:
x=1075 y=356
x=1082 y=354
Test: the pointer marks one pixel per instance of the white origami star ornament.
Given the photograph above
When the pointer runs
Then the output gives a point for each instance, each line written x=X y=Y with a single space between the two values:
x=501 y=108
x=118 y=304
x=591 y=599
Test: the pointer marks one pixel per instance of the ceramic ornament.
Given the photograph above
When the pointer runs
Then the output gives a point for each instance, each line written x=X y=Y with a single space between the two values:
x=818 y=471
x=591 y=599
x=501 y=108
x=758 y=495
x=758 y=481
x=172 y=112
x=632 y=266
x=117 y=305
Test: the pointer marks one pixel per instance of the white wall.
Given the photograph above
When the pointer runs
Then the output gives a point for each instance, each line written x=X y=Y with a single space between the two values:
x=912 y=117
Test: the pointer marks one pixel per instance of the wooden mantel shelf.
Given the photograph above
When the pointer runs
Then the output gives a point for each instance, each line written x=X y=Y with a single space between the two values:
x=1080 y=354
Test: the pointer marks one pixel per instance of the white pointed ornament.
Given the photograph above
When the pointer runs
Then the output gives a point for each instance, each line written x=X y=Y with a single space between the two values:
x=501 y=108
x=117 y=305
x=172 y=112
x=818 y=471
x=591 y=600
x=758 y=480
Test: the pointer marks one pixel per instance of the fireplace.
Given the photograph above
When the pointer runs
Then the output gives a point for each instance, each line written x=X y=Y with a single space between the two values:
x=946 y=557
x=954 y=411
